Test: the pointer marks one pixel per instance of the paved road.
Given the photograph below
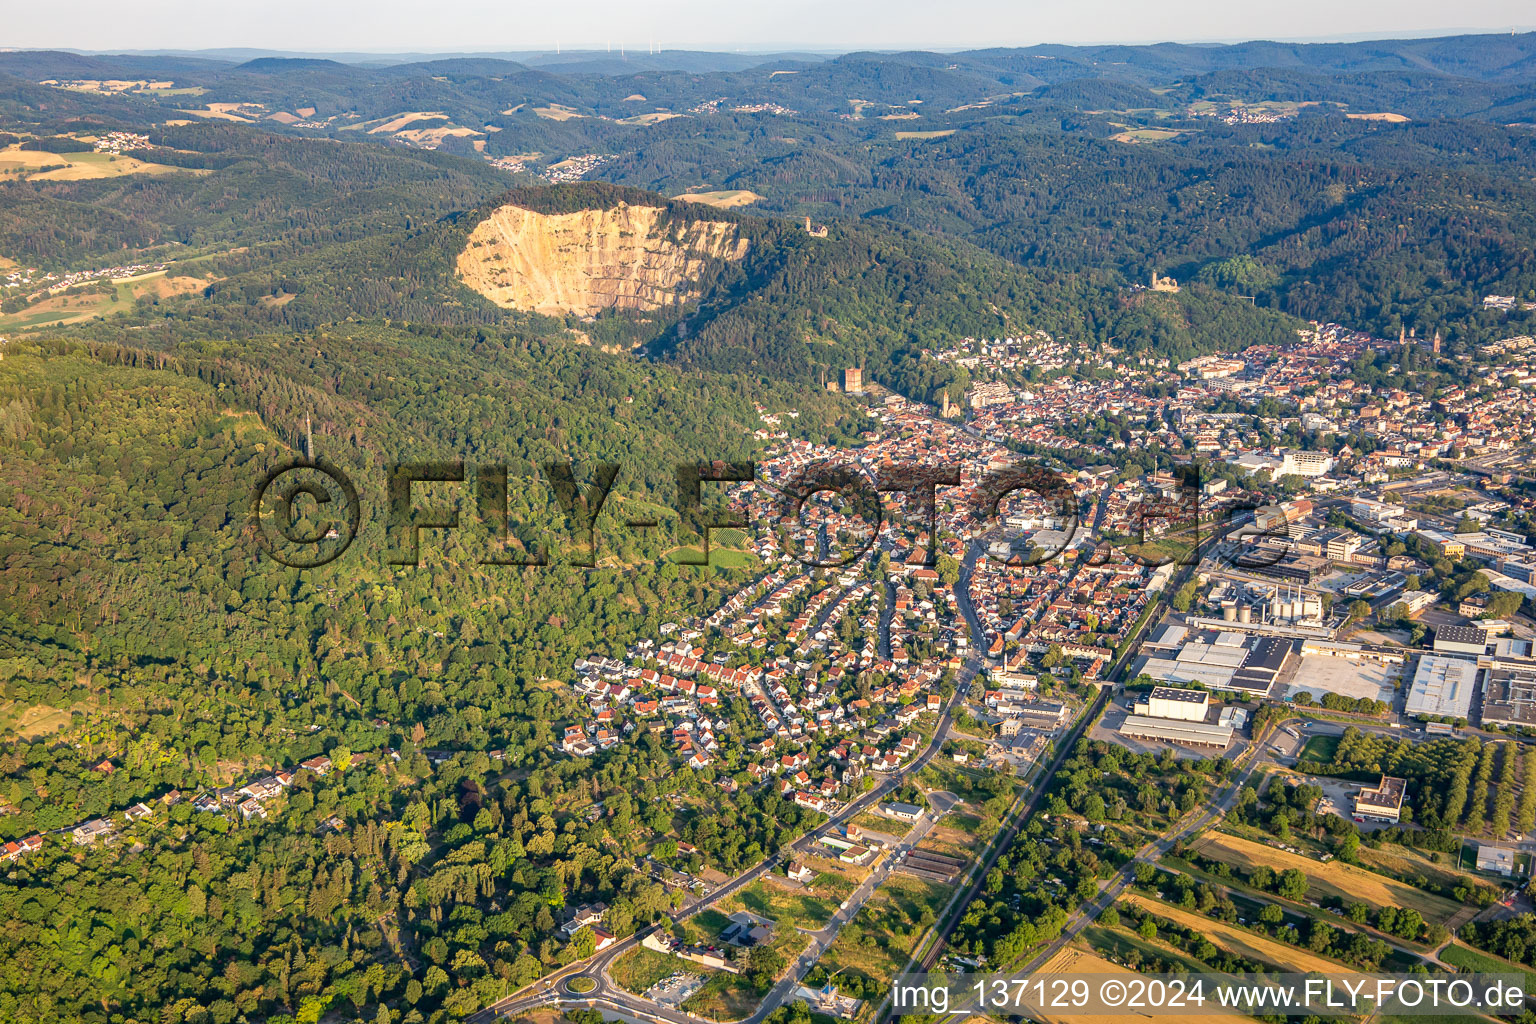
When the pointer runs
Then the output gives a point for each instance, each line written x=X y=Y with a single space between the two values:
x=608 y=994
x=596 y=968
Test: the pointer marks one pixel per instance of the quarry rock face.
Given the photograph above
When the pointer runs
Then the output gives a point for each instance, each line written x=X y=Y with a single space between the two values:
x=626 y=257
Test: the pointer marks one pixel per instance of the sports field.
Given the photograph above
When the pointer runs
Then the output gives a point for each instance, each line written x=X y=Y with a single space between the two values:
x=1333 y=879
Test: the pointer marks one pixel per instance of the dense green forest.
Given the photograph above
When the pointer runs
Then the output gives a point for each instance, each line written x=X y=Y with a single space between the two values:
x=137 y=604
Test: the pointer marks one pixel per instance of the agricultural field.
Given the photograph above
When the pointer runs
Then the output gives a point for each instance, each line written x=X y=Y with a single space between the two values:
x=1073 y=960
x=1237 y=940
x=1333 y=880
x=558 y=112
x=655 y=117
x=1135 y=136
x=70 y=309
x=725 y=199
x=719 y=557
x=904 y=136
x=34 y=165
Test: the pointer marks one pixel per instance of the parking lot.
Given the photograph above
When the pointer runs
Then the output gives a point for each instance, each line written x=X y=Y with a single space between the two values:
x=1347 y=677
x=673 y=990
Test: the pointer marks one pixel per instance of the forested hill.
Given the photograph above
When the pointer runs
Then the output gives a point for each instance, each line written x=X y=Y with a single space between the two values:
x=1385 y=184
x=797 y=307
x=874 y=295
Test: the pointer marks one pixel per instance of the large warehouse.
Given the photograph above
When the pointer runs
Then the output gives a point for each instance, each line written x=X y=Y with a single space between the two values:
x=1442 y=687
x=1509 y=695
x=1227 y=660
x=1172 y=702
x=1461 y=640
x=1169 y=730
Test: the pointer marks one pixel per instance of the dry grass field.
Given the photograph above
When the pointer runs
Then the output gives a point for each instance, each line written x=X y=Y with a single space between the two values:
x=655 y=117
x=809 y=906
x=32 y=165
x=725 y=199
x=32 y=722
x=1140 y=135
x=1072 y=960
x=1333 y=879
x=400 y=121
x=1236 y=940
x=1406 y=862
x=558 y=112
x=939 y=134
x=1383 y=116
x=73 y=309
x=867 y=945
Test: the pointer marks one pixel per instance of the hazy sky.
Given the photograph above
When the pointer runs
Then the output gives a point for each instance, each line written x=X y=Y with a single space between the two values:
x=484 y=25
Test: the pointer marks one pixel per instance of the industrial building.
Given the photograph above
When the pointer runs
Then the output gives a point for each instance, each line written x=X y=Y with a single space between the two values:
x=1461 y=640
x=1384 y=802
x=1165 y=730
x=1442 y=687
x=1500 y=860
x=1509 y=695
x=1172 y=702
x=1306 y=569
x=1282 y=603
x=1044 y=715
x=1224 y=660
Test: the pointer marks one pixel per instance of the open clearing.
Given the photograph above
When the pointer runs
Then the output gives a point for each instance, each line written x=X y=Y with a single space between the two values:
x=810 y=906
x=33 y=722
x=399 y=121
x=641 y=968
x=725 y=199
x=558 y=112
x=655 y=117
x=868 y=945
x=434 y=136
x=720 y=558
x=1139 y=135
x=33 y=165
x=1476 y=960
x=937 y=134
x=1236 y=940
x=1072 y=960
x=72 y=309
x=1383 y=116
x=1334 y=879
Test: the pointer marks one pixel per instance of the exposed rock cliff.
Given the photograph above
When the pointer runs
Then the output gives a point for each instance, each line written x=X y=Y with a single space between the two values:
x=625 y=257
